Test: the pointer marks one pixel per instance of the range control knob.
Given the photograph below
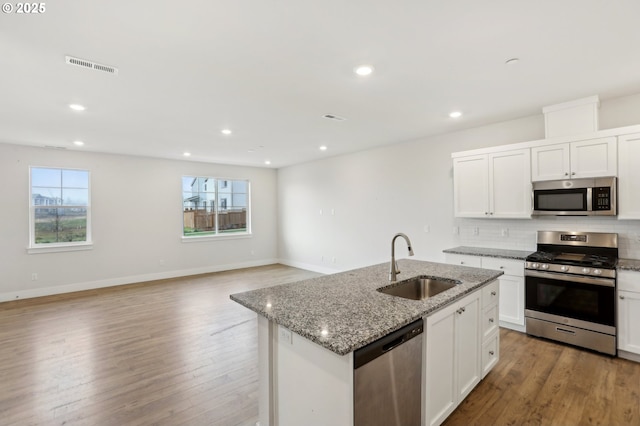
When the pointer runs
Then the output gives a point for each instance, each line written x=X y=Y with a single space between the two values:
x=597 y=272
x=535 y=265
x=586 y=270
x=564 y=268
x=544 y=266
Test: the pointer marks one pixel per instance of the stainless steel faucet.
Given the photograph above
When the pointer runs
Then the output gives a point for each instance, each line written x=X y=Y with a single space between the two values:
x=394 y=266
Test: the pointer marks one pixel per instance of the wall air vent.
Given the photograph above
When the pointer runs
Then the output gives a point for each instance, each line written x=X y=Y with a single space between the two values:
x=333 y=117
x=84 y=63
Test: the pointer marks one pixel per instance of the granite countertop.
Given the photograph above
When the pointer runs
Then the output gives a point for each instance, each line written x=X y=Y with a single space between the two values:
x=490 y=252
x=343 y=312
x=628 y=265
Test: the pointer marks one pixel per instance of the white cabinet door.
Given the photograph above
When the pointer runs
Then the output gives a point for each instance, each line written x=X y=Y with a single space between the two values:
x=439 y=364
x=468 y=346
x=463 y=259
x=580 y=159
x=510 y=184
x=629 y=321
x=493 y=185
x=471 y=186
x=628 y=177
x=512 y=299
x=550 y=162
x=452 y=357
x=594 y=158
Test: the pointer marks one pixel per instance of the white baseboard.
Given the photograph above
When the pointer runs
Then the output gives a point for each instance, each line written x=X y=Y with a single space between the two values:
x=92 y=285
x=629 y=356
x=309 y=267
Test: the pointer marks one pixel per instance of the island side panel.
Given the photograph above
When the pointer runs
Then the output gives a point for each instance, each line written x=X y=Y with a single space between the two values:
x=313 y=386
x=266 y=388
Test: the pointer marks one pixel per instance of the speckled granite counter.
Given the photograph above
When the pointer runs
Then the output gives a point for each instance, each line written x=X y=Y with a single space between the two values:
x=628 y=265
x=490 y=252
x=343 y=312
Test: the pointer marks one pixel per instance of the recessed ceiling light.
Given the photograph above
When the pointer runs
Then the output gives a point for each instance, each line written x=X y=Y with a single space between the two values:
x=267 y=162
x=186 y=154
x=455 y=114
x=512 y=61
x=77 y=107
x=78 y=143
x=323 y=148
x=364 y=70
x=226 y=131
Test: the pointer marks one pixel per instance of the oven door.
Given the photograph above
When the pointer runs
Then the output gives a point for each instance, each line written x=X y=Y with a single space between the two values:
x=585 y=302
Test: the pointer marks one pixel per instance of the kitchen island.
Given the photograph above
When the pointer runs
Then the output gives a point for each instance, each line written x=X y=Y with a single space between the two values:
x=308 y=331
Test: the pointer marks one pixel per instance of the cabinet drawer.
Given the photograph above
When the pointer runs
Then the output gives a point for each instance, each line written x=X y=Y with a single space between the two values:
x=463 y=259
x=629 y=281
x=490 y=354
x=489 y=321
x=508 y=266
x=490 y=294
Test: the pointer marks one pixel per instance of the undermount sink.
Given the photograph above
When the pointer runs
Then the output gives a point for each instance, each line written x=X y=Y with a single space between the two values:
x=419 y=288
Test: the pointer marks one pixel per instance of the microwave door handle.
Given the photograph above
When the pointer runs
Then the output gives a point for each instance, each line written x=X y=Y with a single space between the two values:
x=589 y=199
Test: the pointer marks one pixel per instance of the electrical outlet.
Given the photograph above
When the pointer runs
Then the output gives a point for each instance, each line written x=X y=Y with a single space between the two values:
x=456 y=230
x=333 y=259
x=476 y=231
x=34 y=276
x=285 y=335
x=504 y=232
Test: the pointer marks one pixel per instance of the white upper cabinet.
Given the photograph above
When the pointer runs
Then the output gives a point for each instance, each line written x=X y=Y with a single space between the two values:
x=581 y=159
x=629 y=177
x=493 y=185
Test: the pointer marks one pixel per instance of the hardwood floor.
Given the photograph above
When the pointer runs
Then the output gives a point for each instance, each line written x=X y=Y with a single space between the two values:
x=538 y=382
x=171 y=352
x=180 y=352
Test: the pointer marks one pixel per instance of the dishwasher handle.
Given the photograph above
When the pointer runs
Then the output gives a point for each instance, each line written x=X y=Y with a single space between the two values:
x=387 y=343
x=400 y=340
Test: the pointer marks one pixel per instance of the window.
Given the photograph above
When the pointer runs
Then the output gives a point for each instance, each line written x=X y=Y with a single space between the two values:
x=214 y=206
x=60 y=207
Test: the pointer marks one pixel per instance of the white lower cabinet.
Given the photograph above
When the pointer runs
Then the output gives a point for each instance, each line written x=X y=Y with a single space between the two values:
x=629 y=315
x=452 y=357
x=511 y=285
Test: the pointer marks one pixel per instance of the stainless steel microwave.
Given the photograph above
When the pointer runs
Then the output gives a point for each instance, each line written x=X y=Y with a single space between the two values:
x=575 y=197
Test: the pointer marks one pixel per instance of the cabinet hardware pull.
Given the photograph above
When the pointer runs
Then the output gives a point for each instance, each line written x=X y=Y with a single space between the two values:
x=490 y=319
x=566 y=174
x=463 y=309
x=502 y=267
x=493 y=293
x=461 y=262
x=622 y=297
x=573 y=173
x=491 y=353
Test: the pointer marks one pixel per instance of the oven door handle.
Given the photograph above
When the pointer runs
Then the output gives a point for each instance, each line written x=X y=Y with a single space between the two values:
x=605 y=282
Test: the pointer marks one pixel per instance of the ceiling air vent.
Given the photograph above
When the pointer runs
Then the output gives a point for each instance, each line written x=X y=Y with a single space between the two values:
x=333 y=117
x=84 y=63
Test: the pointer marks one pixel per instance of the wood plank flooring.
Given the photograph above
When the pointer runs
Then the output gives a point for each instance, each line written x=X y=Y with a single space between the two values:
x=538 y=382
x=180 y=352
x=171 y=352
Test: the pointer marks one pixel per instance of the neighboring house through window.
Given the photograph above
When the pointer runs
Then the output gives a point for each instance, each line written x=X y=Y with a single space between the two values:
x=60 y=208
x=214 y=206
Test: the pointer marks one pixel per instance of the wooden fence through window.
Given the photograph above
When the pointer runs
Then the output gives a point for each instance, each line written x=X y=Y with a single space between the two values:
x=203 y=220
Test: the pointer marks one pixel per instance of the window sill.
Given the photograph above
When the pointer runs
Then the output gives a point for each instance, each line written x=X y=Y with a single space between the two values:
x=219 y=237
x=60 y=248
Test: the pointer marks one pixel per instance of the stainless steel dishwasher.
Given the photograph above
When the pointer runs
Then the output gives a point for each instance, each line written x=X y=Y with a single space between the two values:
x=388 y=379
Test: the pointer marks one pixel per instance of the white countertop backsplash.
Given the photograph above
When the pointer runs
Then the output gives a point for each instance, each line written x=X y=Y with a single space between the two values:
x=521 y=233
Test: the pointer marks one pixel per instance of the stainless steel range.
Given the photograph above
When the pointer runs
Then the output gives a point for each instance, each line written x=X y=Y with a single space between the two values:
x=570 y=286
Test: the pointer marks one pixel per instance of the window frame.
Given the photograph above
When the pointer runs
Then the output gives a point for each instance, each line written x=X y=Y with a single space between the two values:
x=218 y=235
x=34 y=247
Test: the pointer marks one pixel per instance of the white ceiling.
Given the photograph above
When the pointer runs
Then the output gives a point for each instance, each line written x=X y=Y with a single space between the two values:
x=270 y=69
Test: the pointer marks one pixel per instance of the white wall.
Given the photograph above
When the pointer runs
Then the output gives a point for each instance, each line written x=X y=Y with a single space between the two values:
x=137 y=222
x=408 y=187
